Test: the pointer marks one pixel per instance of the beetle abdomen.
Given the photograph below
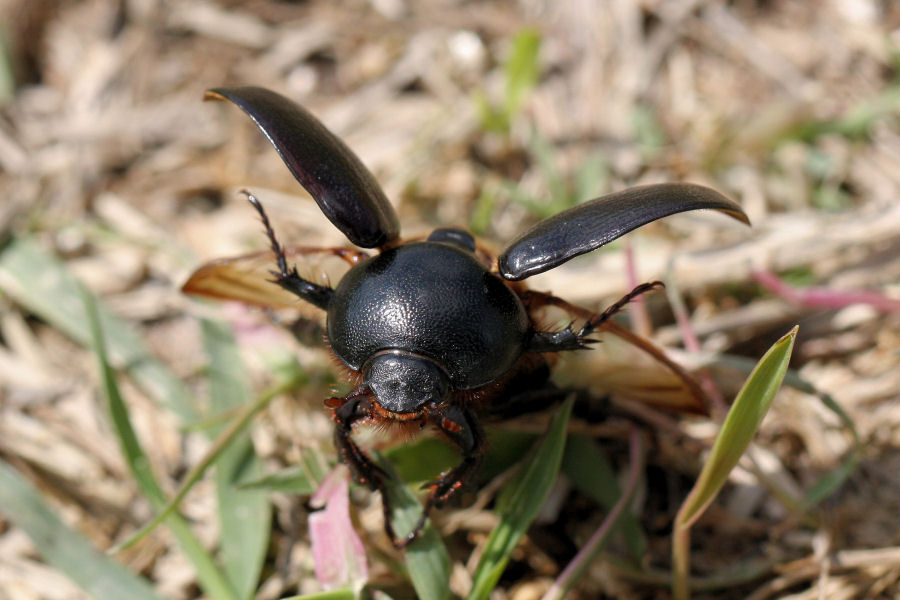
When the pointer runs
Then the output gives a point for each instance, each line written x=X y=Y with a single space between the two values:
x=432 y=299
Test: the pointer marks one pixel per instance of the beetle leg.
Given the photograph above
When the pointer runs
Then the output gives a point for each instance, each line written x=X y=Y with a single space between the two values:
x=289 y=279
x=358 y=405
x=354 y=407
x=461 y=427
x=569 y=339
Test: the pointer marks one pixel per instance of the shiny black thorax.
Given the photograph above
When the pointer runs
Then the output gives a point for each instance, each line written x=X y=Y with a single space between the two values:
x=433 y=299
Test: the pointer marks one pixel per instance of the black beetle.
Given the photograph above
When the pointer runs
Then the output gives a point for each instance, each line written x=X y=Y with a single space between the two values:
x=431 y=332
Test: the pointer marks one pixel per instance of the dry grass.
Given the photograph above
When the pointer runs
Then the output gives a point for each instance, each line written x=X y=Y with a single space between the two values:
x=110 y=160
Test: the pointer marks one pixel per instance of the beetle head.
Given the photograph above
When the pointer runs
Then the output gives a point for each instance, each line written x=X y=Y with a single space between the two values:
x=403 y=382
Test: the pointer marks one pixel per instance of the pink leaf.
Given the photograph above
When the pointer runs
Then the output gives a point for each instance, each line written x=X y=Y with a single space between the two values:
x=338 y=553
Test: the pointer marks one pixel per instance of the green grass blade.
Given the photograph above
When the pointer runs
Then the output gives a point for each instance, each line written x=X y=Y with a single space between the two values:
x=41 y=283
x=222 y=442
x=591 y=178
x=490 y=118
x=830 y=482
x=587 y=467
x=560 y=198
x=427 y=560
x=522 y=70
x=244 y=514
x=208 y=575
x=484 y=208
x=856 y=123
x=422 y=459
x=70 y=553
x=428 y=564
x=505 y=449
x=521 y=73
x=595 y=544
x=519 y=502
x=290 y=480
x=7 y=72
x=743 y=419
x=301 y=479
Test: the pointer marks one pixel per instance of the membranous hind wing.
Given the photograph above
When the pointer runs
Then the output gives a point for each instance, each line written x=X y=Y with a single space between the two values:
x=622 y=363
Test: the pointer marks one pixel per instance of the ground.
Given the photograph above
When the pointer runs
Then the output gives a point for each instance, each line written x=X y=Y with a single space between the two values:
x=489 y=116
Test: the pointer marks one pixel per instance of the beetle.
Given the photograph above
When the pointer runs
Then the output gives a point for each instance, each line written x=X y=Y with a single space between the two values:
x=431 y=332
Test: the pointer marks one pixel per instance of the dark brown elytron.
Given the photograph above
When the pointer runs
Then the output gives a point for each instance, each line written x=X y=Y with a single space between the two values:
x=432 y=331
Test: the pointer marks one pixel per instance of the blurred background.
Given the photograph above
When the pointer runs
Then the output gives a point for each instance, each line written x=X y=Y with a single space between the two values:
x=484 y=115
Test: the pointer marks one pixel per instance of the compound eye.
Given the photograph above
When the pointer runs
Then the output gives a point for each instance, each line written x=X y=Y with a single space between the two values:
x=452 y=235
x=403 y=382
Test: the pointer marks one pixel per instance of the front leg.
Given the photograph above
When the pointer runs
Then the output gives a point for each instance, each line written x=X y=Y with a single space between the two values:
x=455 y=422
x=355 y=406
x=462 y=428
x=288 y=278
